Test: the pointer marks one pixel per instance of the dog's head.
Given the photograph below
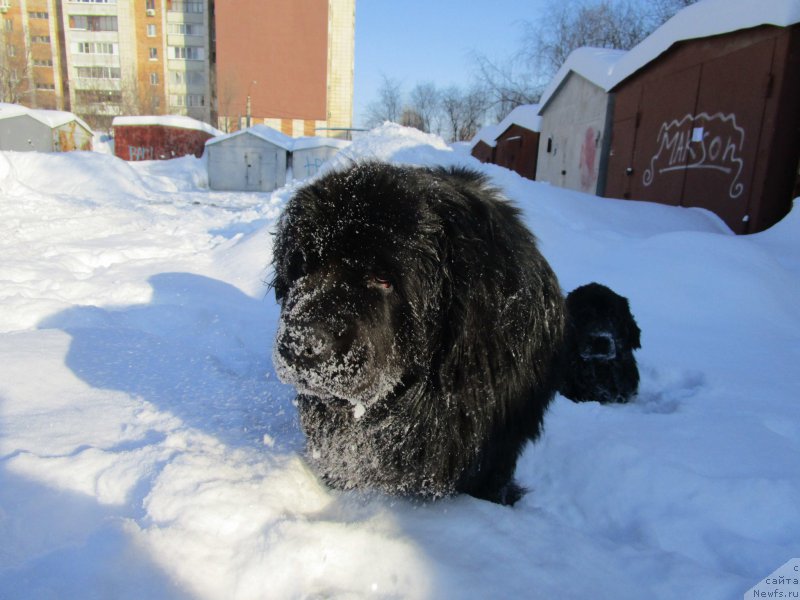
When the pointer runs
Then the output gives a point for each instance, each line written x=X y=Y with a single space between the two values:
x=357 y=275
x=600 y=323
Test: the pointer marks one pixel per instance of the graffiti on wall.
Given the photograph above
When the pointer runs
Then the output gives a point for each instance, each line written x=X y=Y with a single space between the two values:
x=703 y=141
x=141 y=153
x=588 y=158
x=312 y=165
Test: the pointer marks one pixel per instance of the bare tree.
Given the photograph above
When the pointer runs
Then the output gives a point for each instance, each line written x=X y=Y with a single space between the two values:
x=463 y=112
x=571 y=24
x=15 y=74
x=426 y=103
x=508 y=83
x=388 y=106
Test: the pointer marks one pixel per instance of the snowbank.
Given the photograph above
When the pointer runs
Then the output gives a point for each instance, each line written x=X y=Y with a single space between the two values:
x=147 y=449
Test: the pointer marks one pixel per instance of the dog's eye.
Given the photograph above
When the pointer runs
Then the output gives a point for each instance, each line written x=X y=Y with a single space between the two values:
x=380 y=281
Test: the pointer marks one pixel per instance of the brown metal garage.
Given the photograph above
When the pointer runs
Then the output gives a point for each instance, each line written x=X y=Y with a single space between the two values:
x=713 y=122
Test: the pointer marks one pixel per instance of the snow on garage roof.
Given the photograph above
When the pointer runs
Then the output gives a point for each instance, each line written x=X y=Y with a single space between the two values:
x=594 y=64
x=607 y=68
x=179 y=121
x=268 y=134
x=704 y=19
x=51 y=118
x=281 y=140
x=524 y=115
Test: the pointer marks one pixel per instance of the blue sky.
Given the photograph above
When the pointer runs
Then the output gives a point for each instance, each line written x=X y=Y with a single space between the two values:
x=431 y=40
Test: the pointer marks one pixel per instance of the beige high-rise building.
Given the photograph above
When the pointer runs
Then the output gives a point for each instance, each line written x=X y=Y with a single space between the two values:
x=287 y=63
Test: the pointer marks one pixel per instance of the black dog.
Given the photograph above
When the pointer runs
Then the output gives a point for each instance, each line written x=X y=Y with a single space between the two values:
x=600 y=337
x=420 y=325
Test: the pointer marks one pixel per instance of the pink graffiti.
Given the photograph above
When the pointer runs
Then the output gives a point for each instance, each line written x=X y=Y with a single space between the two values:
x=588 y=156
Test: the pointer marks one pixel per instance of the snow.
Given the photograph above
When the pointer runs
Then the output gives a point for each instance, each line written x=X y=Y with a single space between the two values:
x=178 y=121
x=596 y=65
x=51 y=118
x=704 y=19
x=606 y=68
x=147 y=448
x=525 y=115
x=288 y=143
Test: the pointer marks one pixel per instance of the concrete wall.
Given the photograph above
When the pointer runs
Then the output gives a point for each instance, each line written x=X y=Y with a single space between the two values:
x=24 y=133
x=572 y=136
x=246 y=163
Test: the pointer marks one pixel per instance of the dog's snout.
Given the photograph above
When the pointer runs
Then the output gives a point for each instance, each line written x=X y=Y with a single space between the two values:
x=599 y=346
x=305 y=346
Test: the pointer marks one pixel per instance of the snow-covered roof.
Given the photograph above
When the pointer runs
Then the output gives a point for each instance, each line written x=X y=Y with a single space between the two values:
x=179 y=121
x=607 y=68
x=281 y=140
x=525 y=115
x=594 y=64
x=51 y=118
x=268 y=134
x=305 y=143
x=487 y=135
x=704 y=19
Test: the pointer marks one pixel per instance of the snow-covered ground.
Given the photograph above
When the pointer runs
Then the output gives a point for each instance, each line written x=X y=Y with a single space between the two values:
x=147 y=450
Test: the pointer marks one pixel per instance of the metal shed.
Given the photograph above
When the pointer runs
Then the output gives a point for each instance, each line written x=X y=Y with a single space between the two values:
x=483 y=144
x=706 y=112
x=160 y=137
x=575 y=132
x=25 y=129
x=252 y=159
x=309 y=154
x=513 y=143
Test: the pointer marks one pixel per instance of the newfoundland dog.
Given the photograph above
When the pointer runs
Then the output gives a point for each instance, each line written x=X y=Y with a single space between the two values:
x=420 y=326
x=600 y=337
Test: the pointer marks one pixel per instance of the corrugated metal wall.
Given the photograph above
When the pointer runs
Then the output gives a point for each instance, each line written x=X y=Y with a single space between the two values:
x=713 y=123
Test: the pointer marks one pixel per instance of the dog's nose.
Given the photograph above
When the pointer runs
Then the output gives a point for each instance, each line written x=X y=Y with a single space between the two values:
x=305 y=347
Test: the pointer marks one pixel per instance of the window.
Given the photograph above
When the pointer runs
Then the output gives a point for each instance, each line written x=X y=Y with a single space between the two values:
x=153 y=53
x=38 y=15
x=85 y=97
x=184 y=6
x=8 y=25
x=187 y=78
x=150 y=5
x=96 y=1
x=187 y=52
x=11 y=49
x=38 y=62
x=93 y=23
x=185 y=28
x=94 y=48
x=187 y=100
x=45 y=86
x=153 y=78
x=151 y=31
x=98 y=72
x=40 y=39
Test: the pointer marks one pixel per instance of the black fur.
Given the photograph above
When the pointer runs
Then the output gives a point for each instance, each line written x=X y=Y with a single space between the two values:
x=599 y=341
x=420 y=325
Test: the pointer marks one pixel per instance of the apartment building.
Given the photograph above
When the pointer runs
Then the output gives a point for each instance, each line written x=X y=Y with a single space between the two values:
x=31 y=66
x=138 y=57
x=284 y=63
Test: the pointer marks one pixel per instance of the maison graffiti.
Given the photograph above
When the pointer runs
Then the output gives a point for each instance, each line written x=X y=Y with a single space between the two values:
x=702 y=141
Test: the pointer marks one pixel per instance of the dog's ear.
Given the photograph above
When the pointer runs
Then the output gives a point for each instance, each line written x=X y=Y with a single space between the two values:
x=630 y=328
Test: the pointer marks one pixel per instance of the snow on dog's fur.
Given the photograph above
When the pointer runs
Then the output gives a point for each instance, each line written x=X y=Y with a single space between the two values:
x=420 y=326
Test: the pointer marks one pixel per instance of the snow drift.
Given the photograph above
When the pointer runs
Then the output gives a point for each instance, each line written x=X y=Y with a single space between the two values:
x=147 y=449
